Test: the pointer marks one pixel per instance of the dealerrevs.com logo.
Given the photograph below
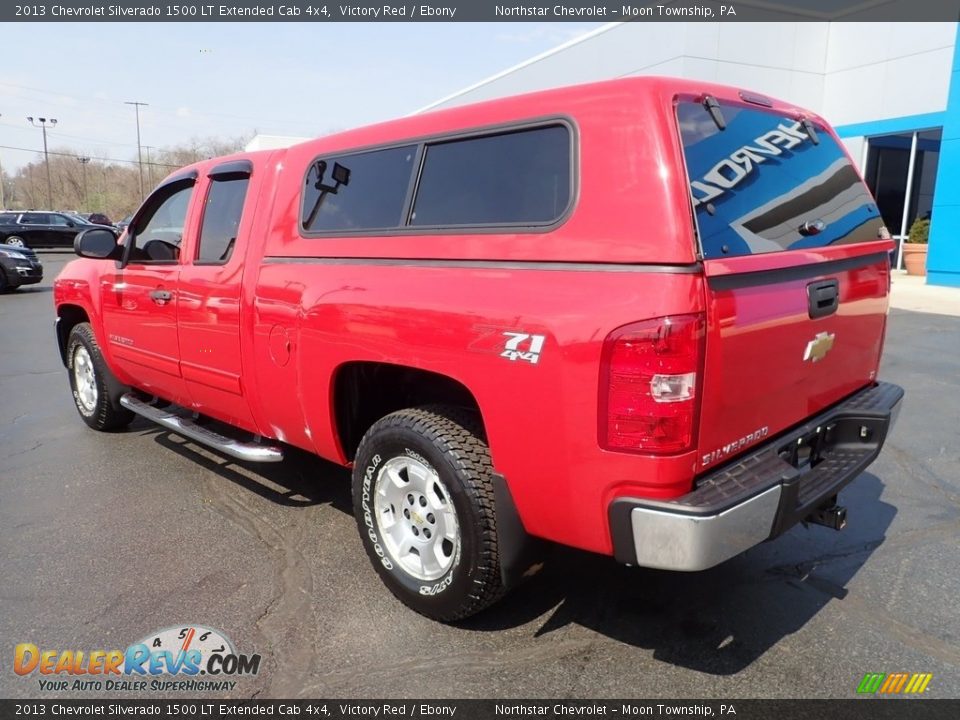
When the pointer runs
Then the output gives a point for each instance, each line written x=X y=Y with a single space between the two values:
x=188 y=658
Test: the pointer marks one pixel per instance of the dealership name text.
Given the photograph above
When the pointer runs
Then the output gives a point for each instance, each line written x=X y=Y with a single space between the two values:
x=626 y=11
x=658 y=710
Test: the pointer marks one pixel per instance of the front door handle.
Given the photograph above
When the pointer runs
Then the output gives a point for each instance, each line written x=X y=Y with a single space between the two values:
x=161 y=296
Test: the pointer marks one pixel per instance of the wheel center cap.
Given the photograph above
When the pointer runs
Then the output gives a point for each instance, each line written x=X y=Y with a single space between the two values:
x=416 y=517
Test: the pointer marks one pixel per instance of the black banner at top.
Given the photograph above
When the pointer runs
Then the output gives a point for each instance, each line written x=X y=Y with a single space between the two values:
x=321 y=11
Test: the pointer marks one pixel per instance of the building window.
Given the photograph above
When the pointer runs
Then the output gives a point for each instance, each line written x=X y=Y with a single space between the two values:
x=902 y=195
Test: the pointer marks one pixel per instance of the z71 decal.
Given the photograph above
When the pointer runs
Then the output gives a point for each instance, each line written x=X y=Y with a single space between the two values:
x=512 y=345
x=523 y=346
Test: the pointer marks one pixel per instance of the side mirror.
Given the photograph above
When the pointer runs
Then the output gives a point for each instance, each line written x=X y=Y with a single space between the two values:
x=98 y=244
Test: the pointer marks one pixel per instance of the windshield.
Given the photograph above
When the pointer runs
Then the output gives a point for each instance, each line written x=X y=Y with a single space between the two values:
x=764 y=184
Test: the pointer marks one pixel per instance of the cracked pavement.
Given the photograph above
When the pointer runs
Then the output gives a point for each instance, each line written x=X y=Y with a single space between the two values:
x=108 y=537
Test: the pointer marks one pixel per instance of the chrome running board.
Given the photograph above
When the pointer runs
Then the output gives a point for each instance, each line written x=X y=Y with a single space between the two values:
x=249 y=451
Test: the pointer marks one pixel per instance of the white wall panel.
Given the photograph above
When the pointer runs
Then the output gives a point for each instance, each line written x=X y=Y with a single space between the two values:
x=854 y=45
x=854 y=96
x=854 y=146
x=916 y=83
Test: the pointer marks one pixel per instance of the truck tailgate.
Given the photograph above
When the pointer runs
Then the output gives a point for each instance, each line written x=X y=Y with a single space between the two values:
x=769 y=364
x=797 y=273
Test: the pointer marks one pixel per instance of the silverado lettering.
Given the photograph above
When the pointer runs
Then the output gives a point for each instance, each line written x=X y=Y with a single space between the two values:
x=505 y=321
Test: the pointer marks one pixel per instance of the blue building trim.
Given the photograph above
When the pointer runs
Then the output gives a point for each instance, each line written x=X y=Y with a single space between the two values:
x=890 y=126
x=943 y=253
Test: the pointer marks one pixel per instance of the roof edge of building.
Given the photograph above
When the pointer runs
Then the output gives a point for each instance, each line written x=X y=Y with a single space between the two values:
x=519 y=66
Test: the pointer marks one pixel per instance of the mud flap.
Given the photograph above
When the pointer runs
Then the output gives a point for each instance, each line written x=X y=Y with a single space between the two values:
x=520 y=553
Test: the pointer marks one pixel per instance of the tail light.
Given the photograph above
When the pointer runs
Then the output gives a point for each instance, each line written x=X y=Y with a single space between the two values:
x=650 y=375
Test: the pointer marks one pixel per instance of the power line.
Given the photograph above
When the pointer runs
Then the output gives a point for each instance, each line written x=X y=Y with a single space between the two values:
x=163 y=110
x=75 y=155
x=89 y=140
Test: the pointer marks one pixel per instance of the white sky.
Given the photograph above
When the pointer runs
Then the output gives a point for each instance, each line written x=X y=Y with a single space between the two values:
x=230 y=79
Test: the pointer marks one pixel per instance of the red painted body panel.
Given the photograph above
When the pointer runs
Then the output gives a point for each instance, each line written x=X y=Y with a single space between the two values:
x=258 y=341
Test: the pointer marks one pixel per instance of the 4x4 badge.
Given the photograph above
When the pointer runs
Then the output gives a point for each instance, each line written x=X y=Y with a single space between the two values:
x=513 y=351
x=818 y=348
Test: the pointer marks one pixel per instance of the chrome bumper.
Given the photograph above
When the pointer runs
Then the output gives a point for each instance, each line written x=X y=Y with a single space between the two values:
x=760 y=495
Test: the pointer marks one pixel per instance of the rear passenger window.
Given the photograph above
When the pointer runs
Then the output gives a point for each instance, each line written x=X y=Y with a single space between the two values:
x=362 y=191
x=221 y=218
x=516 y=178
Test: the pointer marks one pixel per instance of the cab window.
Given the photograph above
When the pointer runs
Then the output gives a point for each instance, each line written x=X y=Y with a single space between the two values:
x=158 y=229
x=221 y=218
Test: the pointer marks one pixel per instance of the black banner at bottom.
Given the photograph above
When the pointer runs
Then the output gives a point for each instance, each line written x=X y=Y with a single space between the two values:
x=868 y=708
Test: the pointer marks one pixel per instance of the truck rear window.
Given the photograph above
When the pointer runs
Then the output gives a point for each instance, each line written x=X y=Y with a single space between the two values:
x=764 y=184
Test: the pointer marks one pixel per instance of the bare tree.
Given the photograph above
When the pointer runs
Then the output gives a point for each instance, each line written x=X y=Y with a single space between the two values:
x=113 y=188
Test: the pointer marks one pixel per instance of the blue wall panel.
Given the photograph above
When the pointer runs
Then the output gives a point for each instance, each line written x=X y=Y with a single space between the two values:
x=943 y=259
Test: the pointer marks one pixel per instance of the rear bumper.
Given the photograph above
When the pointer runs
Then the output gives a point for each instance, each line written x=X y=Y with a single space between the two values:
x=759 y=496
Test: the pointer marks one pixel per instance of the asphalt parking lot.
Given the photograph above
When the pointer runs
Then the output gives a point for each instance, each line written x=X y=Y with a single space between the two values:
x=108 y=537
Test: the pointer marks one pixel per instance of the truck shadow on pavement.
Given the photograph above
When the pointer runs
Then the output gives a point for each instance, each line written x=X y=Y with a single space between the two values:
x=718 y=621
x=300 y=480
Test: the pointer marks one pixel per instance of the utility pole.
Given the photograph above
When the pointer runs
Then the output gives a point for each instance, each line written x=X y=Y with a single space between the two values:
x=86 y=196
x=148 y=148
x=136 y=107
x=46 y=156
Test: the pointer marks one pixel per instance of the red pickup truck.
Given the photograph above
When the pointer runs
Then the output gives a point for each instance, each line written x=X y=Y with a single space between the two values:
x=641 y=317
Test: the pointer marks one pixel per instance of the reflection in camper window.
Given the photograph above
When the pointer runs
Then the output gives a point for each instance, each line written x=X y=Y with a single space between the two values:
x=763 y=185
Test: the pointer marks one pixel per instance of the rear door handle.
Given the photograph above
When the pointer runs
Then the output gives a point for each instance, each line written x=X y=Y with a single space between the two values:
x=823 y=298
x=161 y=296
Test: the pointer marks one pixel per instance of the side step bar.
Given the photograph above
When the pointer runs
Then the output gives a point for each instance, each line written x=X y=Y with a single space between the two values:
x=249 y=451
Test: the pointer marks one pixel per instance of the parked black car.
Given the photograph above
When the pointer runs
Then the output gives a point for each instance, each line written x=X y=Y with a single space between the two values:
x=18 y=266
x=97 y=219
x=121 y=225
x=41 y=228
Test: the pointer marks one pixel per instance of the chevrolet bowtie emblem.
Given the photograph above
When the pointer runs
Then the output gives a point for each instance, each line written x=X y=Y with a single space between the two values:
x=818 y=348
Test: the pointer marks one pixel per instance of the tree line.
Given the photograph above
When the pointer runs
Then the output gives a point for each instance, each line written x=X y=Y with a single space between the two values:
x=111 y=187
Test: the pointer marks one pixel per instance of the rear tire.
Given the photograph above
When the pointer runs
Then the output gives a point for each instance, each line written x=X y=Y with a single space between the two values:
x=15 y=241
x=423 y=502
x=89 y=377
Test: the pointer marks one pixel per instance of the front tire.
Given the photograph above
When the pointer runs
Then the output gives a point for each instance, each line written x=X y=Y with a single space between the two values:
x=88 y=380
x=423 y=501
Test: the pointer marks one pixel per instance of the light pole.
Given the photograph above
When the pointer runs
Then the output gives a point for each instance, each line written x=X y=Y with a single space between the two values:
x=86 y=197
x=46 y=156
x=136 y=107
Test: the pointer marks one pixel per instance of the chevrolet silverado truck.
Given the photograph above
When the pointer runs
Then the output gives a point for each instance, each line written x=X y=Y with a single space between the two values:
x=641 y=317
